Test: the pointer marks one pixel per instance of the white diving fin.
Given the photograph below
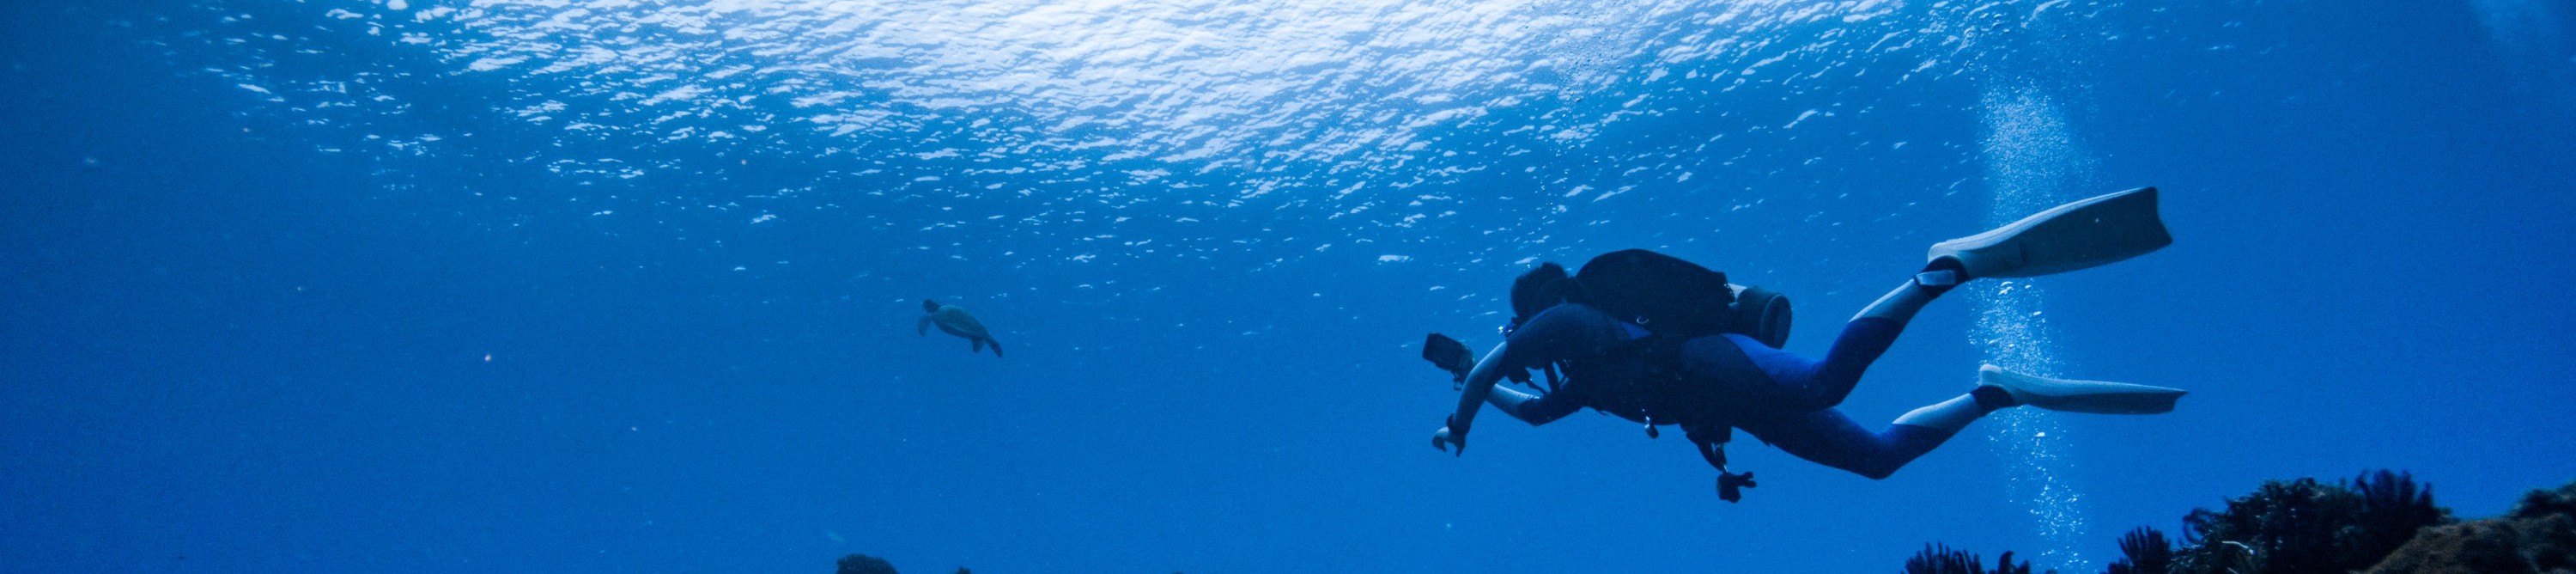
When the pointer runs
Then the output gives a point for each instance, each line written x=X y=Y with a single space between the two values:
x=2079 y=235
x=2080 y=396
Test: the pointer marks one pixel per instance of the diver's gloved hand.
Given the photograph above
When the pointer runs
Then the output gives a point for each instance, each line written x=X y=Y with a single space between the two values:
x=1442 y=438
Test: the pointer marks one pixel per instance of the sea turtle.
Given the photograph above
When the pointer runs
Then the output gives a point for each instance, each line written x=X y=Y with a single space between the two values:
x=955 y=321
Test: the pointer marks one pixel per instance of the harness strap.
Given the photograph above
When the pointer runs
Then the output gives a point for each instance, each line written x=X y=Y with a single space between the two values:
x=1711 y=440
x=1657 y=384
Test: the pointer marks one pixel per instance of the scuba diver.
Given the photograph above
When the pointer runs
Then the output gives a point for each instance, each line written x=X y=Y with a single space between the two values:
x=1661 y=341
x=955 y=321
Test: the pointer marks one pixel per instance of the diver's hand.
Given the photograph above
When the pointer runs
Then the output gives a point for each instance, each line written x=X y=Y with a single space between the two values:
x=1442 y=438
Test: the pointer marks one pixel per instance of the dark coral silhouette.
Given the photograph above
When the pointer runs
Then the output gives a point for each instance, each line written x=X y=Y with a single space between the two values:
x=2539 y=536
x=1940 y=559
x=864 y=564
x=2308 y=527
x=2393 y=510
x=2144 y=551
x=2281 y=527
x=2302 y=526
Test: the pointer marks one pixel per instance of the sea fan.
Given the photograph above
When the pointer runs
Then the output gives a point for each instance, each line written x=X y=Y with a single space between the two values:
x=2144 y=551
x=2392 y=510
x=2004 y=565
x=2303 y=526
x=2282 y=528
x=1940 y=559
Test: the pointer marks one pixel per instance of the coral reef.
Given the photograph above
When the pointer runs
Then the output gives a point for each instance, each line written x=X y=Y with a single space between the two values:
x=2539 y=536
x=864 y=564
x=2304 y=526
x=1939 y=559
x=2144 y=551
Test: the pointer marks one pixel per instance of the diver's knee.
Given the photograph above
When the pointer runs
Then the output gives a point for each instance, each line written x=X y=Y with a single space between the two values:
x=1820 y=393
x=1876 y=471
x=1834 y=393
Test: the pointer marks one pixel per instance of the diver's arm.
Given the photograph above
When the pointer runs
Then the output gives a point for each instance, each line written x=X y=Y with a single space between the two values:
x=1480 y=384
x=924 y=327
x=1545 y=338
x=1535 y=409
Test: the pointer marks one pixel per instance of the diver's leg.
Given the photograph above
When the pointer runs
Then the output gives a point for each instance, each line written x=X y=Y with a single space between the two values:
x=1954 y=414
x=1788 y=382
x=1829 y=438
x=1813 y=384
x=1939 y=276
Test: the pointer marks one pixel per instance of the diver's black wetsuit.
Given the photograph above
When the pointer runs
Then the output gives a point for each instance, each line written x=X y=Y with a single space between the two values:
x=1731 y=380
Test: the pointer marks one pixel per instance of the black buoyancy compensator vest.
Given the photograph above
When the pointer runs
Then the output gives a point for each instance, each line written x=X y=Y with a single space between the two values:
x=1664 y=294
x=1672 y=297
x=1675 y=300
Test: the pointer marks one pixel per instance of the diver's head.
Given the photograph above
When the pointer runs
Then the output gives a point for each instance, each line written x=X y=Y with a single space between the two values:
x=1538 y=290
x=929 y=306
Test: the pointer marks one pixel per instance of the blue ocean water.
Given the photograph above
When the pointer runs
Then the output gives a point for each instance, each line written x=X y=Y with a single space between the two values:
x=620 y=286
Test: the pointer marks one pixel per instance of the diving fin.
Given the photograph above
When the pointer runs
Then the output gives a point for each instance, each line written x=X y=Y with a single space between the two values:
x=2080 y=396
x=1450 y=355
x=2079 y=235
